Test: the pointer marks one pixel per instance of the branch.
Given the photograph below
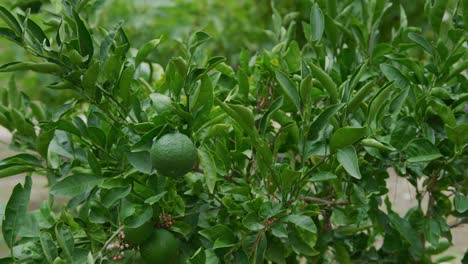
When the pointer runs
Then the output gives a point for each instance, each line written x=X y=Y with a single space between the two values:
x=311 y=199
x=257 y=240
x=462 y=222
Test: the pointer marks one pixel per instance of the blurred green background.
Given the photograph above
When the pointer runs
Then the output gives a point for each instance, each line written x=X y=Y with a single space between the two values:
x=234 y=24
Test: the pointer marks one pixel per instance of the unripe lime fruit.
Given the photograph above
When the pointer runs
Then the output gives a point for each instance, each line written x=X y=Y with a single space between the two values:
x=160 y=247
x=139 y=234
x=173 y=155
x=161 y=103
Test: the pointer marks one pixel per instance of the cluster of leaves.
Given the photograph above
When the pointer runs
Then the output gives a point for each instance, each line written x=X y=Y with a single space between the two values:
x=293 y=144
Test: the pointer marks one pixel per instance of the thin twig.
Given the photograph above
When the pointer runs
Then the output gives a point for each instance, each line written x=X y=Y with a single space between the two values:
x=257 y=240
x=311 y=199
x=116 y=233
x=461 y=222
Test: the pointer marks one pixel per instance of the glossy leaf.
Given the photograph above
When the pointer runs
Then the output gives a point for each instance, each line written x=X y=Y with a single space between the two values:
x=289 y=88
x=317 y=23
x=322 y=119
x=420 y=150
x=84 y=38
x=75 y=184
x=348 y=159
x=347 y=136
x=209 y=167
x=145 y=50
x=15 y=211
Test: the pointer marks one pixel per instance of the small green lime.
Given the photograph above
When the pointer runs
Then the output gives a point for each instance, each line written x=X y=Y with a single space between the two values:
x=139 y=234
x=161 y=103
x=161 y=247
x=173 y=155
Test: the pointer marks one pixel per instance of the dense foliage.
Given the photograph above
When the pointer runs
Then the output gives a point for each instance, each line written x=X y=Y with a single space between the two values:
x=293 y=141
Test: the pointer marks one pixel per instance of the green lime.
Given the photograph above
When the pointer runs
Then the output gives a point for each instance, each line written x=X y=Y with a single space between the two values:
x=161 y=103
x=173 y=155
x=161 y=247
x=139 y=234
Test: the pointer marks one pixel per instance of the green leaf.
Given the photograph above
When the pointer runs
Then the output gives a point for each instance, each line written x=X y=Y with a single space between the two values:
x=302 y=241
x=322 y=176
x=325 y=80
x=302 y=221
x=145 y=50
x=437 y=12
x=370 y=142
x=317 y=24
x=444 y=112
x=348 y=159
x=243 y=82
x=198 y=39
x=306 y=90
x=41 y=67
x=15 y=211
x=154 y=199
x=220 y=235
x=275 y=106
x=323 y=119
x=110 y=197
x=22 y=159
x=90 y=78
x=199 y=257
x=258 y=256
x=457 y=134
x=379 y=102
x=421 y=41
x=288 y=88
x=43 y=141
x=346 y=136
x=241 y=115
x=461 y=202
x=14 y=170
x=141 y=215
x=11 y=21
x=251 y=222
x=420 y=150
x=293 y=57
x=48 y=247
x=126 y=79
x=203 y=100
x=35 y=30
x=231 y=206
x=393 y=74
x=407 y=232
x=141 y=161
x=84 y=38
x=276 y=251
x=207 y=163
x=405 y=130
x=431 y=231
x=75 y=184
x=10 y=34
x=64 y=237
x=342 y=254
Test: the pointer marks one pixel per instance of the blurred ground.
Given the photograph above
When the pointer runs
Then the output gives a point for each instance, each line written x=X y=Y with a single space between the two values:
x=401 y=193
